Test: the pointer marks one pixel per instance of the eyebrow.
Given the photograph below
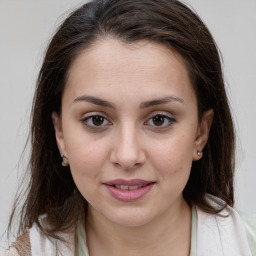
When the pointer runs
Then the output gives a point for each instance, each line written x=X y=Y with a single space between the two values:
x=146 y=104
x=94 y=100
x=160 y=101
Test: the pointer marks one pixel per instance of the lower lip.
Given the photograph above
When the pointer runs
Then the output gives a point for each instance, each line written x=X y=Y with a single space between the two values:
x=129 y=195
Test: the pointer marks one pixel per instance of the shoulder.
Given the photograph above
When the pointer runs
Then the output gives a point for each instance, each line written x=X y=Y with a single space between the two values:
x=36 y=243
x=226 y=232
x=42 y=245
x=249 y=221
x=21 y=247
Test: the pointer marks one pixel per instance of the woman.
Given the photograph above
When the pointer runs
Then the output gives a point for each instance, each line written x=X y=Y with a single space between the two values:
x=131 y=96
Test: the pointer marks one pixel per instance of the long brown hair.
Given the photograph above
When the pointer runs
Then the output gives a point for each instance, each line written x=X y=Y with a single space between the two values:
x=51 y=188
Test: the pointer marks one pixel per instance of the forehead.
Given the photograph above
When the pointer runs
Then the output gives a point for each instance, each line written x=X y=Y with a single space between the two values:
x=141 y=67
x=143 y=54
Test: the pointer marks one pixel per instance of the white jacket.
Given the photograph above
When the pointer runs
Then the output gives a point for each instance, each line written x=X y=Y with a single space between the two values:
x=216 y=236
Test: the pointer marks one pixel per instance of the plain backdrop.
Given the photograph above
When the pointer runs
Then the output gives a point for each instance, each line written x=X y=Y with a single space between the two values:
x=25 y=30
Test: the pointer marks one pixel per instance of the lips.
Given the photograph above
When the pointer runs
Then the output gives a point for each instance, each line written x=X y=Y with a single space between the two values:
x=129 y=190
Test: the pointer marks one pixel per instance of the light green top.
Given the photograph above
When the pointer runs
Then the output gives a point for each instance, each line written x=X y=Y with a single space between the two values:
x=248 y=219
x=193 y=233
x=82 y=249
x=250 y=228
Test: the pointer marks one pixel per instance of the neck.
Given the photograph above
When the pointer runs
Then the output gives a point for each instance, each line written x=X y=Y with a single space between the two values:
x=168 y=234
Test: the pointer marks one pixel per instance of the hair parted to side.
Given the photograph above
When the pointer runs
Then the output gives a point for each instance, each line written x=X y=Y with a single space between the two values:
x=51 y=189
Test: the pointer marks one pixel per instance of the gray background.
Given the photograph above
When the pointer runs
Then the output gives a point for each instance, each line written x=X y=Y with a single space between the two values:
x=25 y=28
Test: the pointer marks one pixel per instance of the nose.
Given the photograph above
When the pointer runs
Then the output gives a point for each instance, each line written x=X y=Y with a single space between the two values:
x=127 y=152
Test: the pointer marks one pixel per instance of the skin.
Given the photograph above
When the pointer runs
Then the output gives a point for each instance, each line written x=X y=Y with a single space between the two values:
x=129 y=145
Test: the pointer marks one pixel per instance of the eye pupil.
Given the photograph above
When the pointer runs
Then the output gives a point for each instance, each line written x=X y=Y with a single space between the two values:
x=98 y=120
x=158 y=120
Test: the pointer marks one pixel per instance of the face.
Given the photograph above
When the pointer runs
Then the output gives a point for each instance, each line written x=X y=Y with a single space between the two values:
x=130 y=129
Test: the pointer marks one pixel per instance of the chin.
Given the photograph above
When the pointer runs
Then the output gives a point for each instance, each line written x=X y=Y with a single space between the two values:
x=131 y=218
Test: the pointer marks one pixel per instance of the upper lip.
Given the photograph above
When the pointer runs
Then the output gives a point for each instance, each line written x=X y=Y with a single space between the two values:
x=132 y=182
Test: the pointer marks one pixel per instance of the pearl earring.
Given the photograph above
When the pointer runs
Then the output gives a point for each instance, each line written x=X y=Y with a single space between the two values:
x=200 y=153
x=65 y=161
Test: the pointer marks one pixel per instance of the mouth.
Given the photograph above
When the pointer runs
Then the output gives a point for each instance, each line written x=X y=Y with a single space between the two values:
x=131 y=190
x=126 y=187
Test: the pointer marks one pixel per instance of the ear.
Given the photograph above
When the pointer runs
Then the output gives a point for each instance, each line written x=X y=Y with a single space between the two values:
x=59 y=133
x=203 y=133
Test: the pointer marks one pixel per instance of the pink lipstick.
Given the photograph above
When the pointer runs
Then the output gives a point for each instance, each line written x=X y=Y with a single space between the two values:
x=129 y=190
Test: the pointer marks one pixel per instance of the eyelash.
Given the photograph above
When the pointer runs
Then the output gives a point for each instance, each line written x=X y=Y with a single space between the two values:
x=166 y=118
x=86 y=121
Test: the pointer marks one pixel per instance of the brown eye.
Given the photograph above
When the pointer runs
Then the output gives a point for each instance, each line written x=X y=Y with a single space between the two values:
x=158 y=120
x=98 y=120
x=161 y=121
x=95 y=121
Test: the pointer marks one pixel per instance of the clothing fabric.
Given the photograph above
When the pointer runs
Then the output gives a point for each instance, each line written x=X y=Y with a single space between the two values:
x=211 y=235
x=40 y=246
x=223 y=236
x=83 y=249
x=228 y=234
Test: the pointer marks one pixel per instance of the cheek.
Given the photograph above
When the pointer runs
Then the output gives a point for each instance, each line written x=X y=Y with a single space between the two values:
x=174 y=156
x=86 y=163
x=173 y=162
x=83 y=148
x=86 y=158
